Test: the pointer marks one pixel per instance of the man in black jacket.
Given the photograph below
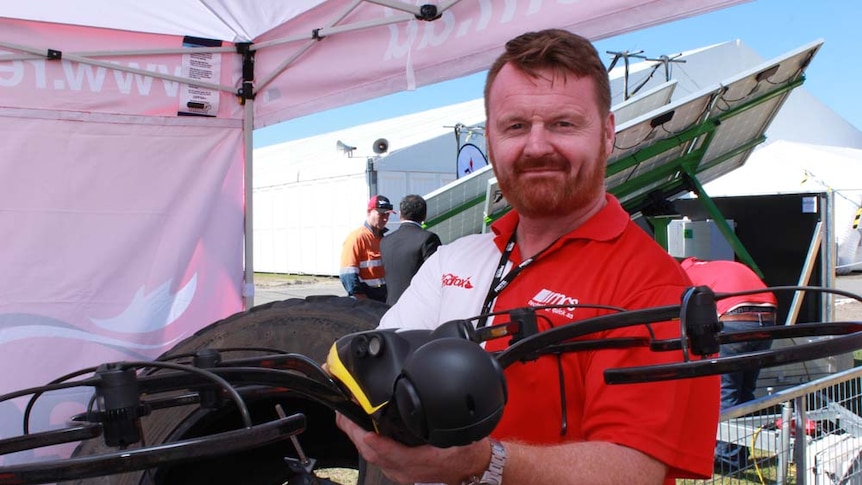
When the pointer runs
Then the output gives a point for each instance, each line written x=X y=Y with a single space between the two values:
x=405 y=249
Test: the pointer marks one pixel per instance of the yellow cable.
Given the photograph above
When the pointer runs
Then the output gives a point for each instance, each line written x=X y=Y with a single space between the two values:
x=756 y=461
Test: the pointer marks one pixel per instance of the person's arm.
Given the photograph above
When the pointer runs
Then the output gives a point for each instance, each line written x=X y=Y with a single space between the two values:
x=349 y=271
x=350 y=282
x=589 y=462
x=581 y=463
x=430 y=246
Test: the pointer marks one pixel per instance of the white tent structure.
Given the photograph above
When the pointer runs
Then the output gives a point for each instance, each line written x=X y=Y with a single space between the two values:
x=126 y=163
x=786 y=167
x=334 y=183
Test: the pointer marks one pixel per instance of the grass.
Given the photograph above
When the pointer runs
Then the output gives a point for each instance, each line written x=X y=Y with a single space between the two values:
x=765 y=473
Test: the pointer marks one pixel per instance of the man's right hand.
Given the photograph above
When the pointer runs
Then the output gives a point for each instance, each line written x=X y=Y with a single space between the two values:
x=418 y=464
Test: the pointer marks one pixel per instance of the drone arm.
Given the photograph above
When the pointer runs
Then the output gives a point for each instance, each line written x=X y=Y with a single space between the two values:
x=49 y=438
x=148 y=457
x=530 y=345
x=850 y=340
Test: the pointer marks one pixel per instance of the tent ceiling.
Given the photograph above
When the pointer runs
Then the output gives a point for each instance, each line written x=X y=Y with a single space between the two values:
x=313 y=55
x=228 y=20
x=243 y=21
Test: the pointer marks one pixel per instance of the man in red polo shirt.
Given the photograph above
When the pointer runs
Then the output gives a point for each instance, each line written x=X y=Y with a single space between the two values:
x=549 y=131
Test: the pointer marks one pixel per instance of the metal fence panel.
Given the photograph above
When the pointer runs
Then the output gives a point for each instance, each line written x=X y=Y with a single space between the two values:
x=826 y=413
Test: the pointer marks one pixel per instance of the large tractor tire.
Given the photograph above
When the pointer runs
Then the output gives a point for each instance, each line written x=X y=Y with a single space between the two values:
x=305 y=326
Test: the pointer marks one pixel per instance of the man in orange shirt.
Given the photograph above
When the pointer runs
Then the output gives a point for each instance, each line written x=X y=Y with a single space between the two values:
x=361 y=272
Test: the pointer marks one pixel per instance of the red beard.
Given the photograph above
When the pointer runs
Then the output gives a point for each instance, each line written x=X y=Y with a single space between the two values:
x=550 y=196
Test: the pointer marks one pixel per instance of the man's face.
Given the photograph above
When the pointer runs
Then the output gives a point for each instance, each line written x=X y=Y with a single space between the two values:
x=548 y=141
x=378 y=219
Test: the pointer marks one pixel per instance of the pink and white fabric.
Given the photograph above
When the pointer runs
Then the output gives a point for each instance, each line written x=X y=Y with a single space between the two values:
x=123 y=223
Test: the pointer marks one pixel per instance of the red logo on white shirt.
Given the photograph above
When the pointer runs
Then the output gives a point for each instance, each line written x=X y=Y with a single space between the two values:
x=454 y=280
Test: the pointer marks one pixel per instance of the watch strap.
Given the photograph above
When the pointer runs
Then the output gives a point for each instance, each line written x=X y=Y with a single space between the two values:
x=494 y=474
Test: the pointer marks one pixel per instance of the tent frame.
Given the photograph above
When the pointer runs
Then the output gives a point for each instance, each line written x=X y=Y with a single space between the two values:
x=250 y=84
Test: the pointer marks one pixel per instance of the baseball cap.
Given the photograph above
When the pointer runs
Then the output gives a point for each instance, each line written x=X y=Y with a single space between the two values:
x=380 y=203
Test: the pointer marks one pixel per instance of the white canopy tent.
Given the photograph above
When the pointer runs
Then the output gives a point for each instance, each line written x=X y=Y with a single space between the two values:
x=125 y=172
x=786 y=167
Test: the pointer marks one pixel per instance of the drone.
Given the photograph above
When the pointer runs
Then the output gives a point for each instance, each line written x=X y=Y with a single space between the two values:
x=384 y=380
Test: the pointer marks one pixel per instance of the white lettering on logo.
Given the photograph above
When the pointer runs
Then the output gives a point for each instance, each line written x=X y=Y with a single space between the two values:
x=547 y=297
x=11 y=73
x=124 y=80
x=75 y=76
x=77 y=73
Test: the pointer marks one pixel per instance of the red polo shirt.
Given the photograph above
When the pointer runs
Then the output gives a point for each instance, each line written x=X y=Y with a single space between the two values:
x=606 y=261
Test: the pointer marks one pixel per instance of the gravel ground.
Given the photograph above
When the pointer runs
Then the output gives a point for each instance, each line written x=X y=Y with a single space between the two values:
x=269 y=287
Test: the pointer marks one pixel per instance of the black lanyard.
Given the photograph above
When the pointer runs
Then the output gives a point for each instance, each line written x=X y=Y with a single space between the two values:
x=500 y=282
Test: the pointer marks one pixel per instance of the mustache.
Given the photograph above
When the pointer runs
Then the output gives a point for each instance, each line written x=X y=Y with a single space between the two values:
x=546 y=163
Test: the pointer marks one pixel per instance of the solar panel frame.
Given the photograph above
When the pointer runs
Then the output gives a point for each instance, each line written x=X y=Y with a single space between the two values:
x=704 y=135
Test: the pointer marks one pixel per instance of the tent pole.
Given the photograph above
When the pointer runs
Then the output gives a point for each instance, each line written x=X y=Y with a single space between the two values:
x=248 y=247
x=246 y=95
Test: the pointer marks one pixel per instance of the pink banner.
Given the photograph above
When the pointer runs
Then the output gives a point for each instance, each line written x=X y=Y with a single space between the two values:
x=120 y=238
x=63 y=84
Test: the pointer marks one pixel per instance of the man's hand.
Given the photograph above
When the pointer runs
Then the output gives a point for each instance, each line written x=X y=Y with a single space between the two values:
x=420 y=464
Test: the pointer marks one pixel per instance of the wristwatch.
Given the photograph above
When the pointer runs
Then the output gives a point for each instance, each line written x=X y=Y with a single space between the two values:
x=494 y=474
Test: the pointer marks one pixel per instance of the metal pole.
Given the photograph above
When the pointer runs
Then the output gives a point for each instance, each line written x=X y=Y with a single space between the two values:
x=783 y=457
x=246 y=93
x=248 y=248
x=799 y=444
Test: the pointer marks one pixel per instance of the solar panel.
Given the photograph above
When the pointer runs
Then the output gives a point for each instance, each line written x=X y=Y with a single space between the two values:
x=658 y=144
x=705 y=135
x=457 y=209
x=644 y=102
x=651 y=142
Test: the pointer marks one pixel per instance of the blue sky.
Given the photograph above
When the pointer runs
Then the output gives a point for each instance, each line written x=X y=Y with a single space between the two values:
x=770 y=27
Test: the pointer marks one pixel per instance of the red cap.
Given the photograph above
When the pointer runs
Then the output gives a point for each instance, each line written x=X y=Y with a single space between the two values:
x=380 y=203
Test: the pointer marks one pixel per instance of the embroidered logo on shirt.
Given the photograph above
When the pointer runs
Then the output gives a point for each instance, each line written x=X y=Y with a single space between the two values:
x=450 y=279
x=548 y=297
